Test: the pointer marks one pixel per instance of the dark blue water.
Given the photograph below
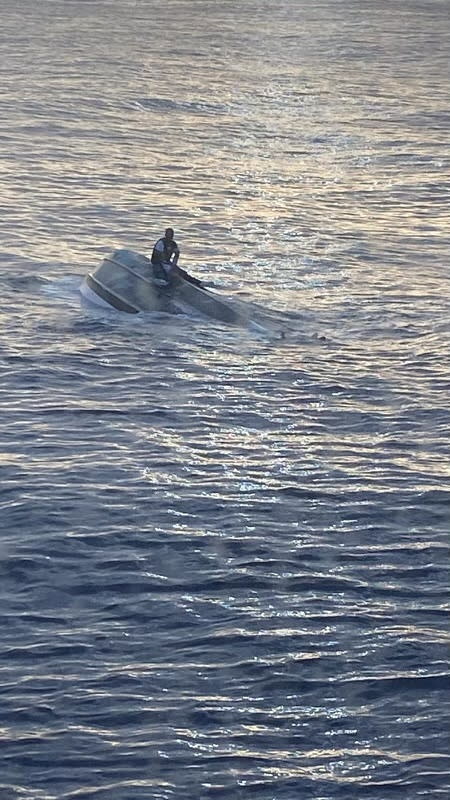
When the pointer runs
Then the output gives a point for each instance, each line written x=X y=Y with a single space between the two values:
x=224 y=555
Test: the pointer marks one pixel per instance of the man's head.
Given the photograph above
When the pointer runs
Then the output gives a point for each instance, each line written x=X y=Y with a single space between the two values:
x=169 y=234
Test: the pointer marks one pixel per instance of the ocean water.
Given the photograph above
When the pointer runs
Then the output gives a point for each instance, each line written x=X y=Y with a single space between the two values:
x=224 y=554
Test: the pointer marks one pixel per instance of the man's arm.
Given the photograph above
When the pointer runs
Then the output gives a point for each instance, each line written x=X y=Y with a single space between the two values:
x=158 y=252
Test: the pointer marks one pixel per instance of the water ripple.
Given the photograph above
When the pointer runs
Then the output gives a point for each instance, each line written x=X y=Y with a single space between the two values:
x=223 y=554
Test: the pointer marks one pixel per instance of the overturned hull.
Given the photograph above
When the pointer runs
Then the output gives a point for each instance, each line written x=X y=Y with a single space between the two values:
x=204 y=301
x=125 y=281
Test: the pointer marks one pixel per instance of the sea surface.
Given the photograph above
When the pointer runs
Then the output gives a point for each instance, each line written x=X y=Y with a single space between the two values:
x=224 y=550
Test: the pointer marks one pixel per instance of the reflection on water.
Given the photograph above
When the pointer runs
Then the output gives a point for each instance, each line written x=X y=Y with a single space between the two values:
x=223 y=555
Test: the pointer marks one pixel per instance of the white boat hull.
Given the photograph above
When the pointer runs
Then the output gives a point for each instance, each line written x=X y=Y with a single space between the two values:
x=92 y=297
x=125 y=282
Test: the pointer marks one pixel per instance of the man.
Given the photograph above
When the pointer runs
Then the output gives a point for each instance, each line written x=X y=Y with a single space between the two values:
x=164 y=259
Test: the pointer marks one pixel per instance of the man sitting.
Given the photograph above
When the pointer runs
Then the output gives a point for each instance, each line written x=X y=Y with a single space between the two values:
x=164 y=260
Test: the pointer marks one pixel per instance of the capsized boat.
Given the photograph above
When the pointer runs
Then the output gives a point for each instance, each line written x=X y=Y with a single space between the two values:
x=125 y=281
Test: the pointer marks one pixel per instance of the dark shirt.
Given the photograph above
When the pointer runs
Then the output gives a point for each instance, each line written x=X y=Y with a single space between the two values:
x=165 y=251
